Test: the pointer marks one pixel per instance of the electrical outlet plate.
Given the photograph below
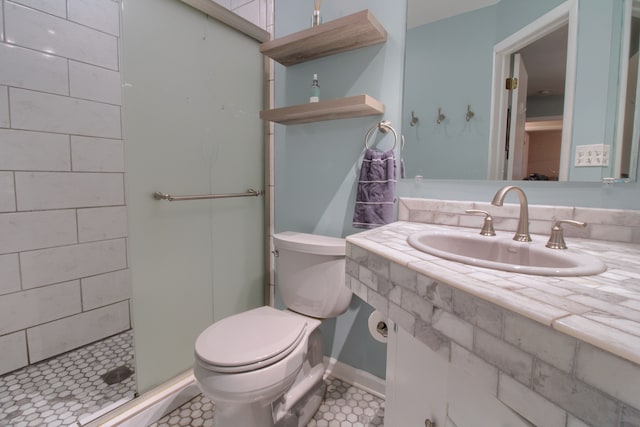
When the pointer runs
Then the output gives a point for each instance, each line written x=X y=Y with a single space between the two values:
x=592 y=155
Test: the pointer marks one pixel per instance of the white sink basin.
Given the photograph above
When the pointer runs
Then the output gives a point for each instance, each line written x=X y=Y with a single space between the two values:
x=502 y=253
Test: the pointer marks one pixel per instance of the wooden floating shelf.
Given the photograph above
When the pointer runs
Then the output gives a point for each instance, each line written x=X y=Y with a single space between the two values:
x=341 y=108
x=340 y=35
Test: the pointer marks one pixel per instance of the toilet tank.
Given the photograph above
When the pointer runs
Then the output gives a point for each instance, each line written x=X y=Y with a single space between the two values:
x=310 y=273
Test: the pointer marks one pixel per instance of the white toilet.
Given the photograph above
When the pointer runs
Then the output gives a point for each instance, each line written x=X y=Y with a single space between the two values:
x=263 y=367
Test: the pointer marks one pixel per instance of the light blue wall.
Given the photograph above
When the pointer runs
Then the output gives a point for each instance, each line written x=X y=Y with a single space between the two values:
x=448 y=66
x=596 y=83
x=545 y=106
x=316 y=164
x=512 y=15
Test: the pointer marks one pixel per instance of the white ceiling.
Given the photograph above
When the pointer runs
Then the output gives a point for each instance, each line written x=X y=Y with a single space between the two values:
x=424 y=11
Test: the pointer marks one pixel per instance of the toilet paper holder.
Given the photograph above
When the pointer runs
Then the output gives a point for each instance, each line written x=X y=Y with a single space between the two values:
x=382 y=329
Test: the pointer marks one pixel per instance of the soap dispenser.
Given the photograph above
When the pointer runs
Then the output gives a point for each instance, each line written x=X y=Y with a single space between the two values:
x=315 y=90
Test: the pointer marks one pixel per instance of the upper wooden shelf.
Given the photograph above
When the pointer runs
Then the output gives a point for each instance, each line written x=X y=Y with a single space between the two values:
x=341 y=108
x=340 y=35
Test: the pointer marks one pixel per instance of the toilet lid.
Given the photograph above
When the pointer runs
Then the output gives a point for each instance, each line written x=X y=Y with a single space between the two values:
x=250 y=340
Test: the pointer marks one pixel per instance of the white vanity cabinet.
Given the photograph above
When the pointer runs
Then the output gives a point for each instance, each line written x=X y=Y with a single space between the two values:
x=416 y=379
x=423 y=385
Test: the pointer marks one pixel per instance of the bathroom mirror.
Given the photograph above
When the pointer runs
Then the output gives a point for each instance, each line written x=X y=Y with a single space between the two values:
x=448 y=96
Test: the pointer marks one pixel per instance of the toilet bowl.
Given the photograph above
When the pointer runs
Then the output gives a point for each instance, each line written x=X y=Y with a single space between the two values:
x=263 y=367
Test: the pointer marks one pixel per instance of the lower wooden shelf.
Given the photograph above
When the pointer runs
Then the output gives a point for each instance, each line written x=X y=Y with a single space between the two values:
x=341 y=108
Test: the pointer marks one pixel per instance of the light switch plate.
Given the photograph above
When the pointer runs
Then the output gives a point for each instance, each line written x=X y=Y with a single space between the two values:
x=592 y=155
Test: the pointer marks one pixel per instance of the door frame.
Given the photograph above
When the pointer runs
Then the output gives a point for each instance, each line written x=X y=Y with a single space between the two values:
x=631 y=9
x=566 y=13
x=518 y=119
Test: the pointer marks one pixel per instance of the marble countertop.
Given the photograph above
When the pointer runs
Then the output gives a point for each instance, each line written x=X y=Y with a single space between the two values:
x=603 y=309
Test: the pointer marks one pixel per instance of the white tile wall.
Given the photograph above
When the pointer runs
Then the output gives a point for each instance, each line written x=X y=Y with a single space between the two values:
x=251 y=12
x=102 y=223
x=4 y=107
x=9 y=273
x=24 y=231
x=529 y=404
x=225 y=3
x=238 y=3
x=549 y=345
x=7 y=192
x=94 y=83
x=104 y=289
x=54 y=7
x=34 y=151
x=61 y=114
x=65 y=334
x=619 y=379
x=97 y=154
x=101 y=15
x=33 y=70
x=21 y=310
x=14 y=351
x=62 y=213
x=33 y=29
x=50 y=190
x=574 y=422
x=46 y=266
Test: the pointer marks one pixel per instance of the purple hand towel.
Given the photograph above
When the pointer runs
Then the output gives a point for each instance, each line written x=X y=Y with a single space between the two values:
x=375 y=199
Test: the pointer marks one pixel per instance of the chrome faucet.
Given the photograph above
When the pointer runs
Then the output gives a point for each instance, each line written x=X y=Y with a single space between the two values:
x=522 y=233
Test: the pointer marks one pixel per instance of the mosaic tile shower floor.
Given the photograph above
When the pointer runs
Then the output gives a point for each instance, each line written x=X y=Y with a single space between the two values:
x=55 y=392
x=343 y=406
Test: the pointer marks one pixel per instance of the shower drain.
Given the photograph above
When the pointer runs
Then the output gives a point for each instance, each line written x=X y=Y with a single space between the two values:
x=117 y=375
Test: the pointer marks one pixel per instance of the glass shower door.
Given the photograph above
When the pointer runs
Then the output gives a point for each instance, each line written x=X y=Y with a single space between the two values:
x=193 y=89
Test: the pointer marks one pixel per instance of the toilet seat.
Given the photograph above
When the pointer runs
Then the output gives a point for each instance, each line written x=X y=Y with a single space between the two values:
x=249 y=340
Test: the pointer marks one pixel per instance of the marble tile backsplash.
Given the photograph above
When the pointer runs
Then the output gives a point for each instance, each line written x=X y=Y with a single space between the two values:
x=602 y=224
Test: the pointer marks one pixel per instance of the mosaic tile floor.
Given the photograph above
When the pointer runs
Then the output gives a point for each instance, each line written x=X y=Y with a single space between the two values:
x=55 y=392
x=343 y=406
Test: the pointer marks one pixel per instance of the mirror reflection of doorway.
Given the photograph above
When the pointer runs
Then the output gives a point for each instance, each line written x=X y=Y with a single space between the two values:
x=562 y=17
x=536 y=108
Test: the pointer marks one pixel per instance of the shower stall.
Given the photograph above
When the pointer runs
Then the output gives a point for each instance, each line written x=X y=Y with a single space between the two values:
x=103 y=103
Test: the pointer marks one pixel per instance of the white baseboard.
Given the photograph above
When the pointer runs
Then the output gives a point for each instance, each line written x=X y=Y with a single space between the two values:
x=357 y=377
x=151 y=406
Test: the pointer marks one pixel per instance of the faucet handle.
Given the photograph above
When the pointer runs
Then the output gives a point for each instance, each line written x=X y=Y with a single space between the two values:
x=556 y=239
x=487 y=226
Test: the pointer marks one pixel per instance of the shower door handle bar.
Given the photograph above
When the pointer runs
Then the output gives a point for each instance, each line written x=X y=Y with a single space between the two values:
x=249 y=193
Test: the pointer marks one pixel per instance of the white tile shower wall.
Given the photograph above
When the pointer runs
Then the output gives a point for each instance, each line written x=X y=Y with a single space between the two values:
x=4 y=106
x=14 y=349
x=64 y=278
x=34 y=151
x=10 y=274
x=57 y=337
x=7 y=192
x=54 y=7
x=254 y=11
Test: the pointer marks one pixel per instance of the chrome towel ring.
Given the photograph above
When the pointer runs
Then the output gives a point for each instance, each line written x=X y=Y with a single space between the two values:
x=384 y=127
